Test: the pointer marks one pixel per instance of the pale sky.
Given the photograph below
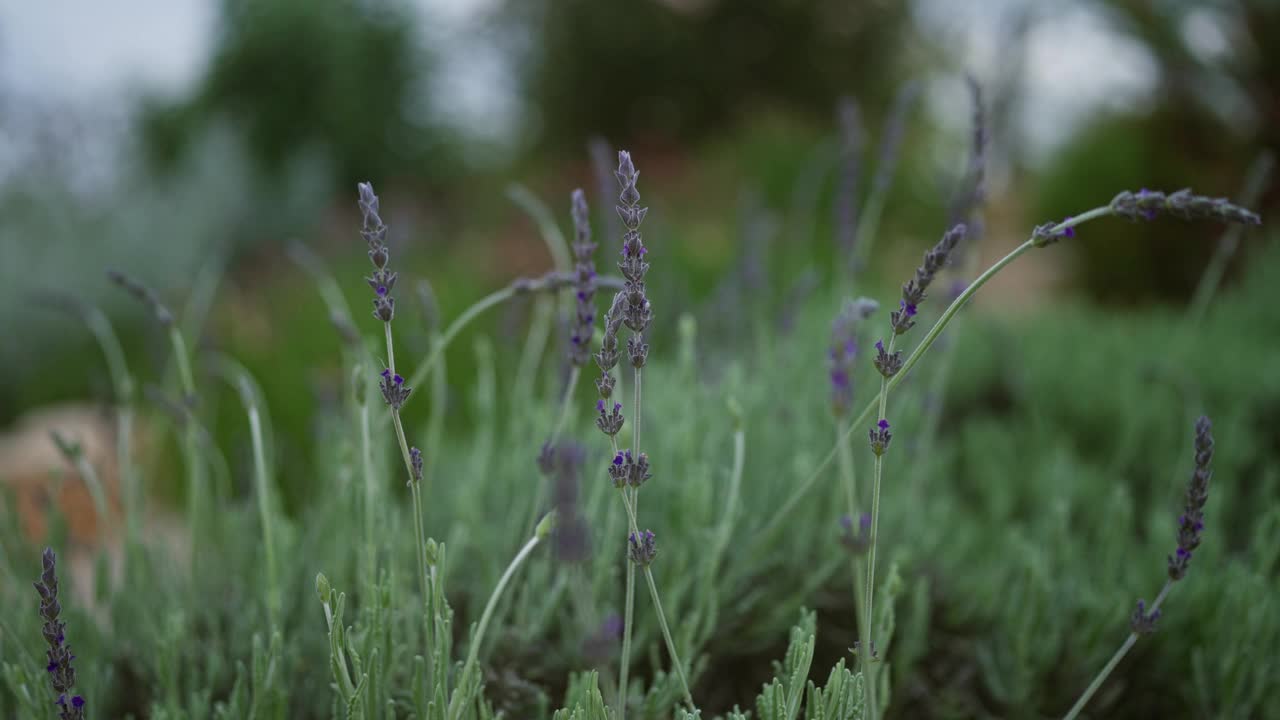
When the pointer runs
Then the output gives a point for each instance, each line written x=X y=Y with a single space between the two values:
x=89 y=52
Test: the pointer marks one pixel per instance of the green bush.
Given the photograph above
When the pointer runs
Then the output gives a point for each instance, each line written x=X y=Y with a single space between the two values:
x=1030 y=495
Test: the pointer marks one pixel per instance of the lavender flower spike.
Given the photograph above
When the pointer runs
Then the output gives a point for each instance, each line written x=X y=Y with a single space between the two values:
x=383 y=281
x=642 y=547
x=1149 y=204
x=1191 y=522
x=636 y=313
x=913 y=293
x=61 y=675
x=584 y=275
x=844 y=351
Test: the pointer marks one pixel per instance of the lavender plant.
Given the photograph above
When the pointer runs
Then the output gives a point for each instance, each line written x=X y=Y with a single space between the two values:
x=61 y=674
x=1190 y=526
x=740 y=423
x=630 y=468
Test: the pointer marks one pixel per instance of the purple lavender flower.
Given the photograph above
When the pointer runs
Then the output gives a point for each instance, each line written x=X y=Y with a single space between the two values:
x=636 y=313
x=973 y=191
x=144 y=294
x=394 y=391
x=572 y=536
x=629 y=469
x=415 y=463
x=1149 y=204
x=584 y=280
x=61 y=675
x=846 y=200
x=844 y=350
x=1191 y=522
x=602 y=168
x=880 y=437
x=609 y=422
x=891 y=140
x=603 y=643
x=1143 y=622
x=887 y=363
x=383 y=281
x=608 y=355
x=857 y=543
x=642 y=547
x=913 y=292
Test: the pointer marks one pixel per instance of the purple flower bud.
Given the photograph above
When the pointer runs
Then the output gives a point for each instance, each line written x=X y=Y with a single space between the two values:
x=883 y=424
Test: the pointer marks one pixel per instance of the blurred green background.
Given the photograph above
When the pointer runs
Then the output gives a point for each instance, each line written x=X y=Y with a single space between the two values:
x=189 y=146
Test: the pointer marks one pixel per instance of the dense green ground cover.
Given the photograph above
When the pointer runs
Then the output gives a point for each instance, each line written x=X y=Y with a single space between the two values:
x=1037 y=470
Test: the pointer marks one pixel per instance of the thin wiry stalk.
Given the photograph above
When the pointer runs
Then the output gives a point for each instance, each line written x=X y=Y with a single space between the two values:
x=1114 y=661
x=1255 y=183
x=74 y=452
x=731 y=503
x=847 y=474
x=420 y=537
x=870 y=587
x=250 y=397
x=462 y=693
x=191 y=443
x=780 y=517
x=629 y=603
x=455 y=327
x=435 y=422
x=370 y=488
x=657 y=604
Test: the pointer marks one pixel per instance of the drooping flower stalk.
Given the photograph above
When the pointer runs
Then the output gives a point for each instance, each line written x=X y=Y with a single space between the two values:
x=1190 y=526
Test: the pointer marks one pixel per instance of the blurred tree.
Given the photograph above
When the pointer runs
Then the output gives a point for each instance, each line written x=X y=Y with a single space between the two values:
x=1214 y=108
x=681 y=69
x=344 y=77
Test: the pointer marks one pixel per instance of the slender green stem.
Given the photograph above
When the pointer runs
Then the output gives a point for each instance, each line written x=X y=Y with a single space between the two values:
x=869 y=225
x=191 y=443
x=89 y=476
x=435 y=422
x=370 y=491
x=851 y=507
x=1115 y=659
x=870 y=588
x=264 y=495
x=455 y=327
x=731 y=503
x=629 y=604
x=666 y=635
x=627 y=617
x=184 y=364
x=462 y=693
x=630 y=505
x=535 y=345
x=566 y=402
x=780 y=517
x=420 y=536
x=251 y=398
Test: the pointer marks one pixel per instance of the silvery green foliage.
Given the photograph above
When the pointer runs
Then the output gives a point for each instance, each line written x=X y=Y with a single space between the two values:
x=780 y=699
x=257 y=693
x=583 y=700
x=841 y=698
